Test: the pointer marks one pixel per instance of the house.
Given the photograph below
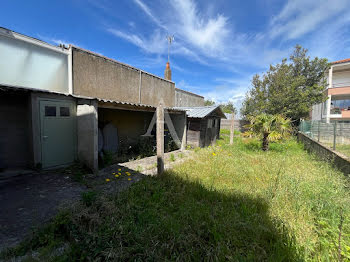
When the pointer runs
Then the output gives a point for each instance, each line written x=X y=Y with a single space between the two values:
x=59 y=104
x=35 y=105
x=337 y=106
x=126 y=99
x=203 y=125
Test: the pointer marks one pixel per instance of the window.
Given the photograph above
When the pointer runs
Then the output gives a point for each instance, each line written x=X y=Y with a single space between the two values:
x=50 y=111
x=210 y=123
x=217 y=122
x=64 y=111
x=339 y=105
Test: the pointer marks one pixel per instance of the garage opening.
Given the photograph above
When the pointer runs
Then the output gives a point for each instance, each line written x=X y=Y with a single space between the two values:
x=15 y=133
x=126 y=135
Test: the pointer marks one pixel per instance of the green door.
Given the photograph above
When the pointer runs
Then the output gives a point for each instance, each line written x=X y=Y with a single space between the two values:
x=58 y=136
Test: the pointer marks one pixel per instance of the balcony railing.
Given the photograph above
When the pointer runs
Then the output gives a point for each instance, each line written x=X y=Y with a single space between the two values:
x=344 y=84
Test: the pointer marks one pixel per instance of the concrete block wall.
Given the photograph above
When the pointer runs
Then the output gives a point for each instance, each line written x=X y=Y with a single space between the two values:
x=238 y=125
x=187 y=99
x=87 y=133
x=99 y=77
x=324 y=153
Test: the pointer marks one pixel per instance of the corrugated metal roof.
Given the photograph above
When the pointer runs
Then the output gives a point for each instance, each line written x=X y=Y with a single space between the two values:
x=201 y=111
x=25 y=89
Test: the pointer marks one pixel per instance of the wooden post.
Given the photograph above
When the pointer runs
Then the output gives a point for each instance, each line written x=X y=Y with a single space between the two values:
x=160 y=139
x=232 y=128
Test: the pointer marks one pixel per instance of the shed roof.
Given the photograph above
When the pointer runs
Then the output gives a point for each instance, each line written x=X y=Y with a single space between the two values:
x=201 y=111
x=7 y=88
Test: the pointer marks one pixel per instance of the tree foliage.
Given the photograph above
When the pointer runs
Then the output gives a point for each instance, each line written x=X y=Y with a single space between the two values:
x=268 y=128
x=289 y=88
x=208 y=102
x=228 y=108
x=225 y=107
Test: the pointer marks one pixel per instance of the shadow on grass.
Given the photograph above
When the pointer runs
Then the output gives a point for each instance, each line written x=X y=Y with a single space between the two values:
x=166 y=218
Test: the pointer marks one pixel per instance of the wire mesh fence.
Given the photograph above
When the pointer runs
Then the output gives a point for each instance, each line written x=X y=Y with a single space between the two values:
x=335 y=135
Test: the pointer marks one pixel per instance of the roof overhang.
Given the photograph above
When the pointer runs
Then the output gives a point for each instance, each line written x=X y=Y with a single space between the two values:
x=103 y=103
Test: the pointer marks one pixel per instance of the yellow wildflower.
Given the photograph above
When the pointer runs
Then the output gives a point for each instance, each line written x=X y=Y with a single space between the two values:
x=116 y=175
x=119 y=174
x=119 y=169
x=214 y=154
x=107 y=180
x=113 y=173
x=129 y=178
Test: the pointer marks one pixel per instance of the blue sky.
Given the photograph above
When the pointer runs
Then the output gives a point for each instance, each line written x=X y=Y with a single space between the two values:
x=219 y=45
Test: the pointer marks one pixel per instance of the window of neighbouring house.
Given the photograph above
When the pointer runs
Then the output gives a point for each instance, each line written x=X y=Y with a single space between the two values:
x=64 y=111
x=339 y=105
x=50 y=111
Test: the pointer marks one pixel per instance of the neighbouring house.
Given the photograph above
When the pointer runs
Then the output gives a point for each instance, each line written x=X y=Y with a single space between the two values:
x=337 y=106
x=59 y=104
x=203 y=125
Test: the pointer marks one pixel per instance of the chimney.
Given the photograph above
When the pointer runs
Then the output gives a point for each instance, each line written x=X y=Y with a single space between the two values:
x=167 y=72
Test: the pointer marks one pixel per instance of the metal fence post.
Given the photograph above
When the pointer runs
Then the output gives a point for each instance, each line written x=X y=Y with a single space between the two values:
x=302 y=126
x=319 y=131
x=334 y=134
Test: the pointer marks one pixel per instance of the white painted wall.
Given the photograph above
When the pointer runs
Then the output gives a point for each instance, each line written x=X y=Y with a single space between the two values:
x=316 y=112
x=32 y=63
x=341 y=78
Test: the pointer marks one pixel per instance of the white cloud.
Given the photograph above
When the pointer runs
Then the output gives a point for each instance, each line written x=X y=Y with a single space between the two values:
x=204 y=32
x=148 y=12
x=299 y=17
x=209 y=38
x=154 y=44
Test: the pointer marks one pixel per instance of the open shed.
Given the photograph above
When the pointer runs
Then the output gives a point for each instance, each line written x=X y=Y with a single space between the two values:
x=203 y=125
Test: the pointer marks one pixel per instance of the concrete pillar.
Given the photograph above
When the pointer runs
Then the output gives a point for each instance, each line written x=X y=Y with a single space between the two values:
x=330 y=85
x=184 y=135
x=330 y=77
x=232 y=128
x=328 y=108
x=87 y=133
x=160 y=139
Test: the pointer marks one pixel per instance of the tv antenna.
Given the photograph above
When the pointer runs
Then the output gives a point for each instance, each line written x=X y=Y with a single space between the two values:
x=170 y=39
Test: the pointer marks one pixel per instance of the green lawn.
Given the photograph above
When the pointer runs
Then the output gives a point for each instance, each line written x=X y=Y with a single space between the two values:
x=233 y=203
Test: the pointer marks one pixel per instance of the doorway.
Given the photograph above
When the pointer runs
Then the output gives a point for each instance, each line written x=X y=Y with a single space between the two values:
x=58 y=132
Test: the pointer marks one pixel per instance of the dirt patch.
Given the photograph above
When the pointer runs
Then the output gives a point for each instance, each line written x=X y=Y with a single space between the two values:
x=28 y=200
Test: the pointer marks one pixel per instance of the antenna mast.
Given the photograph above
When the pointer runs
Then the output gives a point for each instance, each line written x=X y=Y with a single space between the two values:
x=170 y=39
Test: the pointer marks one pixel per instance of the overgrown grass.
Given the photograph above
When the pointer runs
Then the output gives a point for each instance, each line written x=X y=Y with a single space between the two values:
x=344 y=149
x=232 y=203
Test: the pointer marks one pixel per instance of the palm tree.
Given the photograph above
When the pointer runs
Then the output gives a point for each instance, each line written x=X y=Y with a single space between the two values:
x=269 y=128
